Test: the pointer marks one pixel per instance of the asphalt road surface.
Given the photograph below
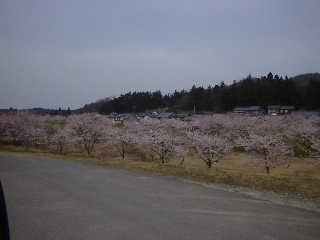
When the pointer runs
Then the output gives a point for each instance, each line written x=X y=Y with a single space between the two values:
x=61 y=199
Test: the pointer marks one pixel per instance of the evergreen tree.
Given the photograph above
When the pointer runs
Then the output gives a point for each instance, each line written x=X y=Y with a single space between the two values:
x=312 y=97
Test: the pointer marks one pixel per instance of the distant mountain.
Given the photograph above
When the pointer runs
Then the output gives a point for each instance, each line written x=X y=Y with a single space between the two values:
x=93 y=107
x=304 y=79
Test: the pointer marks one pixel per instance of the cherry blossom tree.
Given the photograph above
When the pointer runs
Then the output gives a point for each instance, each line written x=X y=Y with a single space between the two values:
x=88 y=130
x=209 y=138
x=60 y=136
x=316 y=145
x=159 y=143
x=274 y=151
x=13 y=125
x=209 y=148
x=305 y=131
x=234 y=125
x=181 y=151
x=24 y=128
x=123 y=138
x=164 y=137
x=265 y=138
x=37 y=134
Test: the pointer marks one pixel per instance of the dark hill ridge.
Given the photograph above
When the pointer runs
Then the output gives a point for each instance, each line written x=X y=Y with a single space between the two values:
x=250 y=91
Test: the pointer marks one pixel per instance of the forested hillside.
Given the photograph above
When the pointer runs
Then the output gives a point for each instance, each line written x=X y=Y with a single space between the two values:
x=302 y=91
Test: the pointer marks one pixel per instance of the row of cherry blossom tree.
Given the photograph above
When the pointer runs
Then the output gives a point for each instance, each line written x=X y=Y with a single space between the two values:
x=206 y=138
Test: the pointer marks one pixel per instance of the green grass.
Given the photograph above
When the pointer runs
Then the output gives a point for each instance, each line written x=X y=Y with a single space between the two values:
x=299 y=152
x=239 y=149
x=60 y=123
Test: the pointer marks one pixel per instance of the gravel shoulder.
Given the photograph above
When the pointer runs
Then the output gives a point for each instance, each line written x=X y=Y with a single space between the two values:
x=285 y=199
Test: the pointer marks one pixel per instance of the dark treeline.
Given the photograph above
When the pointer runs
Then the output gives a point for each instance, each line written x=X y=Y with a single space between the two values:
x=61 y=111
x=37 y=111
x=264 y=91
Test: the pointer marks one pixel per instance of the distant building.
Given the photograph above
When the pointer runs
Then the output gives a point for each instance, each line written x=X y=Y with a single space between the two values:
x=253 y=110
x=306 y=114
x=206 y=113
x=273 y=109
x=165 y=115
x=120 y=118
x=181 y=116
x=286 y=110
x=280 y=110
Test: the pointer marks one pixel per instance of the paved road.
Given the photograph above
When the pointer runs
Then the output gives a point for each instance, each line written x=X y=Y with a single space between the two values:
x=60 y=199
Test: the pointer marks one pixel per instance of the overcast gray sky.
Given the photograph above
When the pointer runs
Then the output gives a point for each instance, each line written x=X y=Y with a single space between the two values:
x=67 y=53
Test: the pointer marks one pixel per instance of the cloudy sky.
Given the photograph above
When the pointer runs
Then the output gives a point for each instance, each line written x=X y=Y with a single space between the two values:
x=67 y=53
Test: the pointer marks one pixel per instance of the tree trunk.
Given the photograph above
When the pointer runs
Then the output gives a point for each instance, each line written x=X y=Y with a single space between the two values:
x=209 y=164
x=162 y=158
x=267 y=169
x=87 y=149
